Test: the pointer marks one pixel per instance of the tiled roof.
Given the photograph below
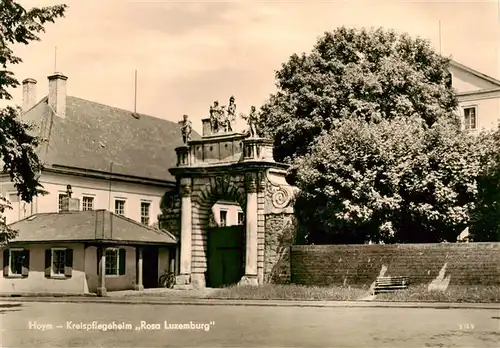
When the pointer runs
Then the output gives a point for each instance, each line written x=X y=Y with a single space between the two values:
x=92 y=135
x=87 y=226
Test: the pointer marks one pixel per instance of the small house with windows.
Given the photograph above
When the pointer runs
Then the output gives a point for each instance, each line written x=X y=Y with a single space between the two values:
x=81 y=252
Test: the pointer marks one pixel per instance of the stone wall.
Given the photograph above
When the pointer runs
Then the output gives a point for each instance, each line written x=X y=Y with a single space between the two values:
x=463 y=263
x=279 y=236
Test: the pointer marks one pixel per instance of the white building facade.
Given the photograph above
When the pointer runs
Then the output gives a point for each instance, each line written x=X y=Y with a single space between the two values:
x=113 y=159
x=478 y=96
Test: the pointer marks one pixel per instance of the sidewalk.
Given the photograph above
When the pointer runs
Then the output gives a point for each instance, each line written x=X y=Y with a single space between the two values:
x=157 y=300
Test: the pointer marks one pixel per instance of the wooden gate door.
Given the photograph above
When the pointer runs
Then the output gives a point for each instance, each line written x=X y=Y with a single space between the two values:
x=226 y=255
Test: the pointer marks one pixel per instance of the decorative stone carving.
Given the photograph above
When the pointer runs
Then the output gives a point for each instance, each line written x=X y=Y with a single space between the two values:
x=215 y=116
x=231 y=114
x=185 y=190
x=279 y=195
x=186 y=128
x=251 y=182
x=222 y=183
x=69 y=191
x=222 y=117
x=170 y=201
x=251 y=120
x=280 y=198
x=185 y=187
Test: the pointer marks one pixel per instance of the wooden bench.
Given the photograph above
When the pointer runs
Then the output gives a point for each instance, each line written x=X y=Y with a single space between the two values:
x=389 y=284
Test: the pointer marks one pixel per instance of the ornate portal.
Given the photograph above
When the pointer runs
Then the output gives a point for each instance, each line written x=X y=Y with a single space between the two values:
x=237 y=167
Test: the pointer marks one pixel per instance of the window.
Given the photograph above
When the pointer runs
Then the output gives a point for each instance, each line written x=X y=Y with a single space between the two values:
x=16 y=262
x=61 y=197
x=470 y=118
x=111 y=261
x=145 y=212
x=120 y=207
x=241 y=218
x=88 y=203
x=58 y=262
x=223 y=218
x=115 y=261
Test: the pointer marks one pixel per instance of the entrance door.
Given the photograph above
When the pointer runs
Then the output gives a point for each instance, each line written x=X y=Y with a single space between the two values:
x=225 y=255
x=150 y=267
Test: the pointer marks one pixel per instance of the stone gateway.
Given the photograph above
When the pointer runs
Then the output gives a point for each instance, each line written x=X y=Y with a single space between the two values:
x=236 y=167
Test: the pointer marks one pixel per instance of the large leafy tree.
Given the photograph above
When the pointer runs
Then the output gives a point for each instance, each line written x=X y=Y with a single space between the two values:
x=366 y=74
x=17 y=143
x=485 y=225
x=391 y=181
x=368 y=122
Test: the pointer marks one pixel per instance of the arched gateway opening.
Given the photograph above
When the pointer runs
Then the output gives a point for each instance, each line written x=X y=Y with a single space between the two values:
x=225 y=194
x=221 y=211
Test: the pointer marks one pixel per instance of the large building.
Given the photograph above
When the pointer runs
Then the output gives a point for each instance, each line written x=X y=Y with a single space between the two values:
x=478 y=96
x=114 y=159
x=106 y=172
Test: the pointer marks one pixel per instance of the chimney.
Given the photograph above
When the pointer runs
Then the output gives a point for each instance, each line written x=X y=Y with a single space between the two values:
x=57 y=94
x=29 y=94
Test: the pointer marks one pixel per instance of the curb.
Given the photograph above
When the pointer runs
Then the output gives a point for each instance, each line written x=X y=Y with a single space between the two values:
x=258 y=303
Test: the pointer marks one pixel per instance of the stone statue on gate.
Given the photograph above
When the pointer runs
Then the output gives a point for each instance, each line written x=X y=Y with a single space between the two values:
x=215 y=116
x=231 y=114
x=69 y=191
x=222 y=117
x=251 y=121
x=186 y=128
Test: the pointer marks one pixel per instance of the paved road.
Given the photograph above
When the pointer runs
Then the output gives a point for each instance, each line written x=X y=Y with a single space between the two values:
x=235 y=326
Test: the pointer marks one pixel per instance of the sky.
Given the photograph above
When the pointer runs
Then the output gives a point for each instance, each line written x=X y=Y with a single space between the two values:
x=190 y=53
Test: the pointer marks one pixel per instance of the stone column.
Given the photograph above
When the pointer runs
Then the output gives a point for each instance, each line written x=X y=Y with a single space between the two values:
x=139 y=286
x=184 y=277
x=250 y=277
x=101 y=277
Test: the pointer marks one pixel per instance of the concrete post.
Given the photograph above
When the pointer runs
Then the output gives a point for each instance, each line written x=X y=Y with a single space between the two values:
x=251 y=243
x=184 y=277
x=101 y=279
x=139 y=286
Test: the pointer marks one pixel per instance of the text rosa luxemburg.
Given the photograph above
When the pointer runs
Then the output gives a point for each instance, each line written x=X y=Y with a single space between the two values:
x=96 y=326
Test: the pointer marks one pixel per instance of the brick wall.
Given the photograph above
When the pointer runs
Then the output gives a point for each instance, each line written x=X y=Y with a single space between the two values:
x=466 y=263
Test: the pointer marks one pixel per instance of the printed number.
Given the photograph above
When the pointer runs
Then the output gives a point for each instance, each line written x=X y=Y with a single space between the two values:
x=466 y=326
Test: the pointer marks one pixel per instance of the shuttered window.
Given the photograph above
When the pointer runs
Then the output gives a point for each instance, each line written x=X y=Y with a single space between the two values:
x=16 y=262
x=59 y=263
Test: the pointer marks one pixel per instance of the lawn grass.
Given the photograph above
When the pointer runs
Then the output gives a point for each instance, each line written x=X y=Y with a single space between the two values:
x=290 y=292
x=454 y=293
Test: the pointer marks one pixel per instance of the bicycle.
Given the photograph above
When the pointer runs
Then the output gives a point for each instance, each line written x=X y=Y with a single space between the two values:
x=167 y=279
